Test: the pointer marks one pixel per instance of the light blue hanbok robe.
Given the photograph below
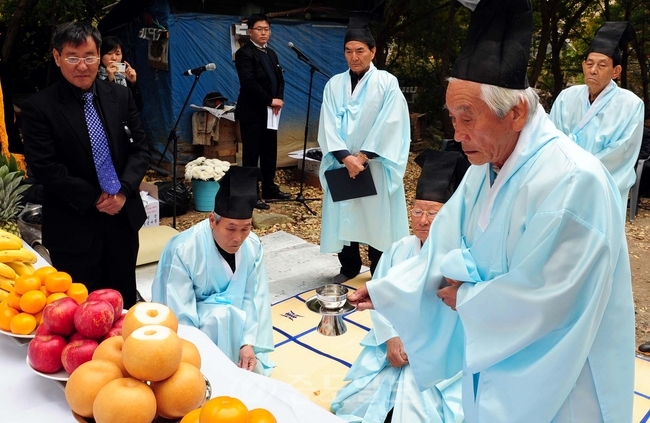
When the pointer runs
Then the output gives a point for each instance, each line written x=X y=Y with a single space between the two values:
x=611 y=128
x=197 y=283
x=376 y=387
x=547 y=309
x=375 y=119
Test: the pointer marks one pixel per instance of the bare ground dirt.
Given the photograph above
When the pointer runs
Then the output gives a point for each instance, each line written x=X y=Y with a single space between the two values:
x=307 y=227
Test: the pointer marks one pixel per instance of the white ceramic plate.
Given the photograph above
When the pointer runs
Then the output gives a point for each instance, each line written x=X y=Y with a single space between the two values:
x=28 y=336
x=61 y=375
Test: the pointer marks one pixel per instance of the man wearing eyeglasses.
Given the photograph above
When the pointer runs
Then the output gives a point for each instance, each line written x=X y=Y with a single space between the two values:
x=382 y=387
x=84 y=144
x=261 y=87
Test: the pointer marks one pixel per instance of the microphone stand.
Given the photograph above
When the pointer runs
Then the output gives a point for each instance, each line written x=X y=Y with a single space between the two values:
x=173 y=136
x=300 y=197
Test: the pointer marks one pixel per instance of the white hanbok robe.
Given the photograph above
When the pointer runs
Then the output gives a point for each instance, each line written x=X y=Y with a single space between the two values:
x=611 y=128
x=374 y=119
x=546 y=307
x=233 y=309
x=376 y=387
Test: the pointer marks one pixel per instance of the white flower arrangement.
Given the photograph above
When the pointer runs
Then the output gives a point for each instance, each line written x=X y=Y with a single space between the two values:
x=206 y=169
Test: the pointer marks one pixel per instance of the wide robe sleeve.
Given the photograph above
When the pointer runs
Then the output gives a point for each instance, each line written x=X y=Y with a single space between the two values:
x=173 y=285
x=257 y=305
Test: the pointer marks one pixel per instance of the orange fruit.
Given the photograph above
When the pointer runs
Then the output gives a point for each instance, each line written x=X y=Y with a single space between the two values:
x=6 y=313
x=55 y=296
x=22 y=323
x=78 y=292
x=223 y=410
x=57 y=282
x=13 y=300
x=44 y=290
x=42 y=272
x=39 y=318
x=32 y=301
x=260 y=415
x=26 y=283
x=192 y=416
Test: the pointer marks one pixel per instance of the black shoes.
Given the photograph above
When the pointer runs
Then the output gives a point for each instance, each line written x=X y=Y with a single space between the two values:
x=340 y=278
x=279 y=195
x=645 y=347
x=262 y=205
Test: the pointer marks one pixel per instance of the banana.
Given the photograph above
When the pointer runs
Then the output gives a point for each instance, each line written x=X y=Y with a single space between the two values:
x=6 y=284
x=22 y=254
x=16 y=238
x=7 y=272
x=33 y=258
x=3 y=295
x=19 y=267
x=7 y=243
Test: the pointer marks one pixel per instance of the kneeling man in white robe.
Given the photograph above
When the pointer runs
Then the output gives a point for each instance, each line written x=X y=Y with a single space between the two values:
x=213 y=276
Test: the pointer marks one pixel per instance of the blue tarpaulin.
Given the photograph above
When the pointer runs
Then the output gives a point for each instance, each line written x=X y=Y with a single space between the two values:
x=198 y=39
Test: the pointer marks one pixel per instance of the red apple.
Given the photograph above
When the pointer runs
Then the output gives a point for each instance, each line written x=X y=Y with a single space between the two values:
x=44 y=352
x=43 y=330
x=93 y=319
x=112 y=296
x=114 y=331
x=119 y=322
x=58 y=316
x=77 y=353
x=76 y=336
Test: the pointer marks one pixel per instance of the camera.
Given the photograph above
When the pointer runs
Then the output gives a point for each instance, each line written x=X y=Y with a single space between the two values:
x=121 y=67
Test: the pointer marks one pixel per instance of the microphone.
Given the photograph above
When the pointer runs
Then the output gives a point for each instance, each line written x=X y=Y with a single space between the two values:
x=200 y=70
x=300 y=54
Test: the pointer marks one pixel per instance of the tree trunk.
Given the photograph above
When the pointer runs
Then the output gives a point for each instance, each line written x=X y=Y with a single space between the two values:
x=447 y=127
x=12 y=28
x=545 y=36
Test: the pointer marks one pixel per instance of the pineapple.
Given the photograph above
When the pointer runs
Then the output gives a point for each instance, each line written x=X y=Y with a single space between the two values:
x=11 y=192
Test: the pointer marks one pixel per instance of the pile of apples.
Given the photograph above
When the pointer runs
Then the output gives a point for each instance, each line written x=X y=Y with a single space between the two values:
x=147 y=371
x=71 y=332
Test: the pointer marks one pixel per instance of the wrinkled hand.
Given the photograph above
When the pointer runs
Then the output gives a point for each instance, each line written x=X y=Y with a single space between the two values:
x=361 y=299
x=277 y=104
x=247 y=359
x=110 y=204
x=354 y=165
x=448 y=294
x=130 y=73
x=395 y=352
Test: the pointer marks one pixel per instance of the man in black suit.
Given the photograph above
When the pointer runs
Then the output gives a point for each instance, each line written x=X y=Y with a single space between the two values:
x=84 y=143
x=261 y=86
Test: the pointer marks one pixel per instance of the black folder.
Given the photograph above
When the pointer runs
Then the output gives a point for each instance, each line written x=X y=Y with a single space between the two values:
x=342 y=187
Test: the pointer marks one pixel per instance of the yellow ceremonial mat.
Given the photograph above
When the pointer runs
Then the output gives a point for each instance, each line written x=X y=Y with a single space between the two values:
x=315 y=364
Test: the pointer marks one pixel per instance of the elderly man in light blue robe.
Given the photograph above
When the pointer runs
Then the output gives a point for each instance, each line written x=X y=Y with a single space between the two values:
x=364 y=126
x=601 y=117
x=213 y=277
x=530 y=251
x=381 y=380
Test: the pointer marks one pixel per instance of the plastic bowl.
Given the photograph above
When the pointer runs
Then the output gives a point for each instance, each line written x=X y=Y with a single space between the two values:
x=332 y=296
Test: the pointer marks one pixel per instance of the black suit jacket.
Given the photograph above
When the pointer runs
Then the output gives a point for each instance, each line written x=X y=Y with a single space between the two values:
x=255 y=83
x=59 y=156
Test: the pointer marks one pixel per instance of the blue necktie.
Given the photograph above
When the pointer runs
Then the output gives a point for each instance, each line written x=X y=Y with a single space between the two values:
x=108 y=179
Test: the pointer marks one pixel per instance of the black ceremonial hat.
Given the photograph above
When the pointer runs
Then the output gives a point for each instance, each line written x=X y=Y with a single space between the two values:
x=611 y=38
x=358 y=28
x=237 y=193
x=497 y=47
x=441 y=174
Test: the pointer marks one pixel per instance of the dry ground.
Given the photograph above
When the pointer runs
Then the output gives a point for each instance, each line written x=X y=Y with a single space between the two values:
x=307 y=227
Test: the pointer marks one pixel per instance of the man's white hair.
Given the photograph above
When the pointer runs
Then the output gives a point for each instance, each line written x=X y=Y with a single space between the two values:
x=500 y=100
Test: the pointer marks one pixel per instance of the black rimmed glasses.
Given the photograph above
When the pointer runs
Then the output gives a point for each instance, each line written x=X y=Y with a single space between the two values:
x=90 y=60
x=262 y=29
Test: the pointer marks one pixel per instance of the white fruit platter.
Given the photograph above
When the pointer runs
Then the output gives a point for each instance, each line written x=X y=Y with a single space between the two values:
x=61 y=375
x=19 y=339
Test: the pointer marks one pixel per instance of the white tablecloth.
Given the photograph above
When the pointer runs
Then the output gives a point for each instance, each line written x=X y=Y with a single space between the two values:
x=26 y=397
